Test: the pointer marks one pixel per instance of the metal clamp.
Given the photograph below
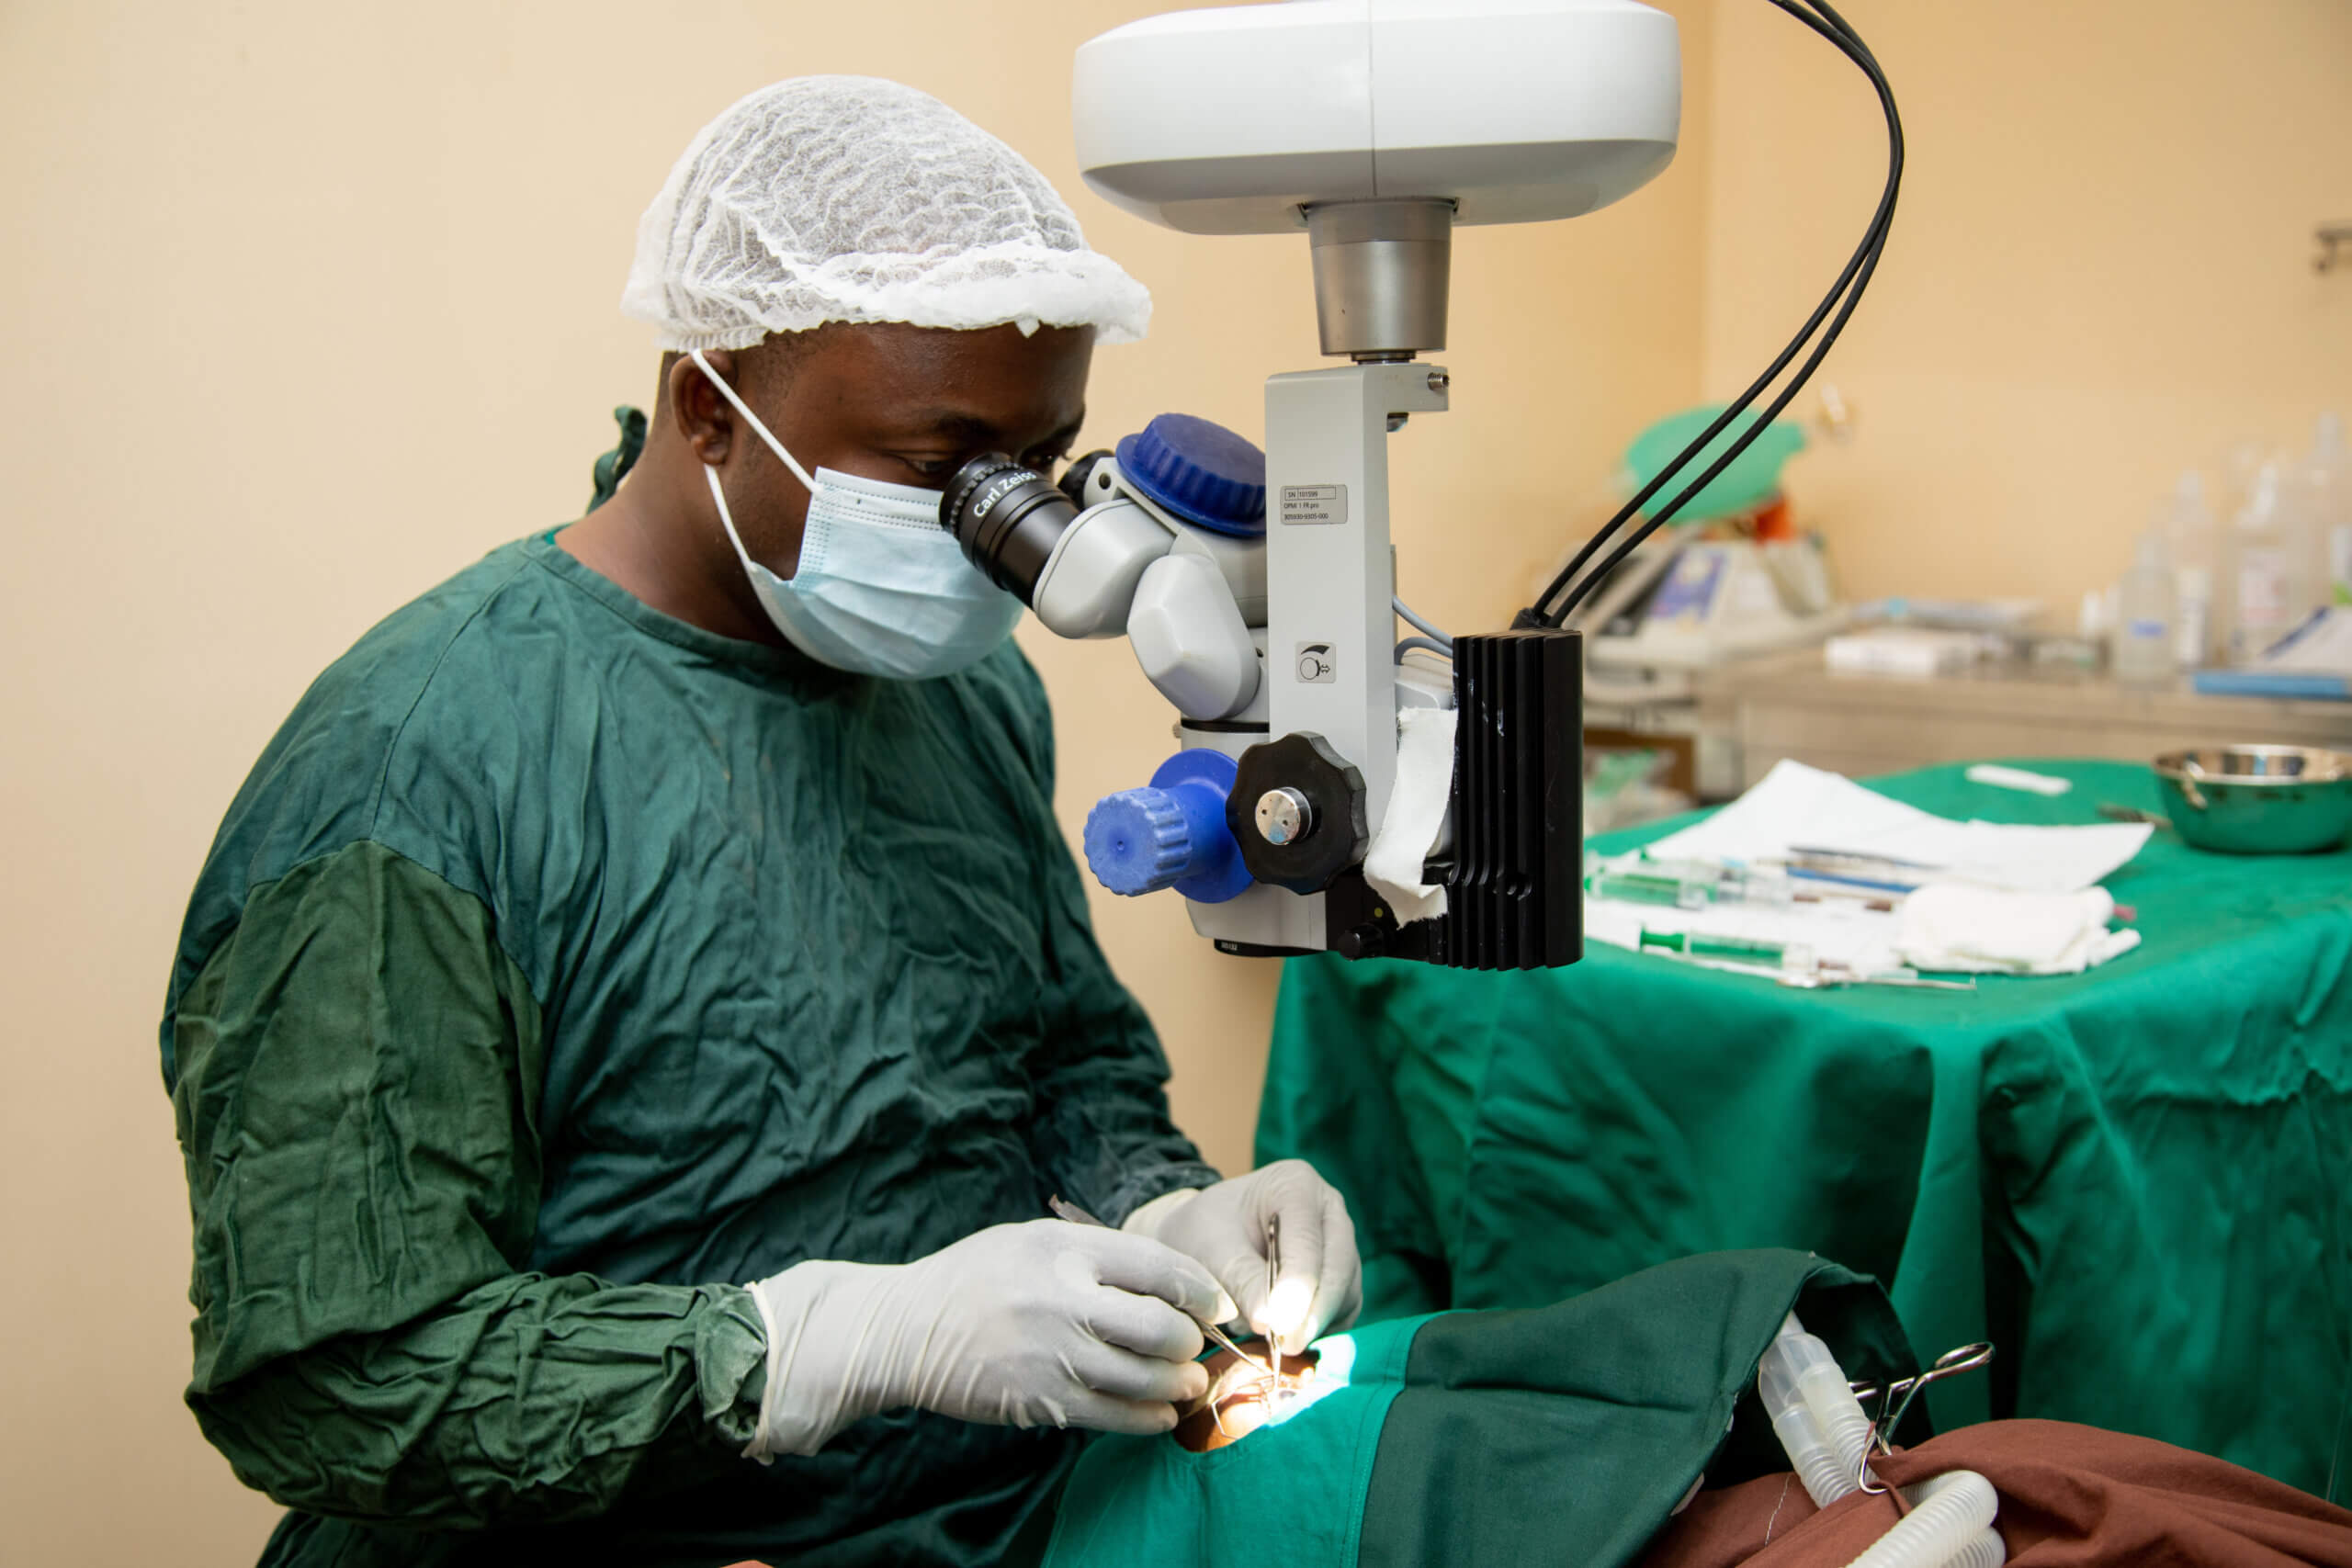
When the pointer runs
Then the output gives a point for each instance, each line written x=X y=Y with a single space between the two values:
x=1951 y=1363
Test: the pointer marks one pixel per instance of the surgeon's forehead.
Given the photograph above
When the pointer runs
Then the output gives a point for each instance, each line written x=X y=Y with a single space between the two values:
x=987 y=385
x=975 y=428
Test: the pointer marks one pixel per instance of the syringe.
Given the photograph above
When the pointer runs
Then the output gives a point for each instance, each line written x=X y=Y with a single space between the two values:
x=1794 y=956
x=1685 y=891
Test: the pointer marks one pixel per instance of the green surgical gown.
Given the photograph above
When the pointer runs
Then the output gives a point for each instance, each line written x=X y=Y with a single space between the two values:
x=562 y=966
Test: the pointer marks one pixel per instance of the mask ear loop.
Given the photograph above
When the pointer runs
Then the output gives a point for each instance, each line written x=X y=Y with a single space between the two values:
x=727 y=520
x=711 y=473
x=754 y=421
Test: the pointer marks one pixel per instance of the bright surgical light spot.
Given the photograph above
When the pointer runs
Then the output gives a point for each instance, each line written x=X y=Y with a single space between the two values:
x=1336 y=1359
x=1287 y=1306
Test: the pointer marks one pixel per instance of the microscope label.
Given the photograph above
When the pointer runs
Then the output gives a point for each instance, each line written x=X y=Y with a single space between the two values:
x=1314 y=503
x=1318 y=664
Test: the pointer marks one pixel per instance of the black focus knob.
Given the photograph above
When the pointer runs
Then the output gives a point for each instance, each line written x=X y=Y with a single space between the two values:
x=1296 y=809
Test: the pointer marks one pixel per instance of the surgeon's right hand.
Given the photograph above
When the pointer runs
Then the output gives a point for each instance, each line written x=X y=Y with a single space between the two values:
x=1032 y=1325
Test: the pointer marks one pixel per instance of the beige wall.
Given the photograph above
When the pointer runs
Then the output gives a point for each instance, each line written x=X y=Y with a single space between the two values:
x=304 y=306
x=2100 y=272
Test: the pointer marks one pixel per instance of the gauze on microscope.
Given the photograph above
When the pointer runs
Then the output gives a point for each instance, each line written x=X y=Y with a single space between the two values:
x=1417 y=802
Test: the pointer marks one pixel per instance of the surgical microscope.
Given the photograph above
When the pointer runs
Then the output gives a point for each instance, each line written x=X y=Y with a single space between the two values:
x=1327 y=794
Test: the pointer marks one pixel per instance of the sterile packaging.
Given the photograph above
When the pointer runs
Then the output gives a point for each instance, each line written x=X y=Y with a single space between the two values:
x=1901 y=650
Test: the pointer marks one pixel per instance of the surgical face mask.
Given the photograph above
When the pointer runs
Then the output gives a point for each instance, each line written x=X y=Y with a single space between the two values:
x=882 y=588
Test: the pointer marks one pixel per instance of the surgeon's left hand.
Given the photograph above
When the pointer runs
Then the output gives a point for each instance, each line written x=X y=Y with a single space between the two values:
x=1320 y=1285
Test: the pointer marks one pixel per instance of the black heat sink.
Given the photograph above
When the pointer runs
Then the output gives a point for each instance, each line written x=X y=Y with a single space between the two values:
x=1515 y=895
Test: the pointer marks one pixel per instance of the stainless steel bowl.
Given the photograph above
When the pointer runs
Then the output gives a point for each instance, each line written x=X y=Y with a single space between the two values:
x=2258 y=800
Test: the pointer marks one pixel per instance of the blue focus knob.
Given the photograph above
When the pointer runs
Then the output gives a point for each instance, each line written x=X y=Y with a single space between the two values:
x=1199 y=470
x=1171 y=833
x=1137 y=840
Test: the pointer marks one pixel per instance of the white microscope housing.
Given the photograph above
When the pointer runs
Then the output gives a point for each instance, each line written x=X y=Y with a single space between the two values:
x=1237 y=120
x=1377 y=126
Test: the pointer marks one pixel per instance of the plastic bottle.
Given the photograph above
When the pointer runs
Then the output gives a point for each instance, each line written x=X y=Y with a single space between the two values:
x=2095 y=621
x=2327 y=494
x=2276 y=575
x=2195 y=544
x=2144 y=652
x=2241 y=465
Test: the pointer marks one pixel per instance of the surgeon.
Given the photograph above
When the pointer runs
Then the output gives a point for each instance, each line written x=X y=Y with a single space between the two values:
x=633 y=1016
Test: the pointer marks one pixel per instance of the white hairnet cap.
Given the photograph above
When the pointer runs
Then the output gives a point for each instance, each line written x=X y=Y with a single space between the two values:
x=849 y=198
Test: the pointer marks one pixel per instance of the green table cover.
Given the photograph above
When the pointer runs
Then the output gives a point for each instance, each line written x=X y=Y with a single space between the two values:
x=2136 y=1181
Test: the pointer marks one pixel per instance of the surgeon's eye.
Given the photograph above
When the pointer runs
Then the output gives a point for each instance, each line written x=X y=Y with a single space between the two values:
x=931 y=467
x=1046 y=463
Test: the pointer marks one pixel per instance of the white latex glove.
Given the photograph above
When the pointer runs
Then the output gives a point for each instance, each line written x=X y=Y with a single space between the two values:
x=1030 y=1325
x=1227 y=1226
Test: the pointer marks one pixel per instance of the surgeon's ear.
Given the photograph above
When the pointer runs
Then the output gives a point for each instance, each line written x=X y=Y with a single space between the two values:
x=703 y=415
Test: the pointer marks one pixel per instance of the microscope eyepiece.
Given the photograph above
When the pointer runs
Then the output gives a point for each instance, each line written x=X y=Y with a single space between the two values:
x=1007 y=518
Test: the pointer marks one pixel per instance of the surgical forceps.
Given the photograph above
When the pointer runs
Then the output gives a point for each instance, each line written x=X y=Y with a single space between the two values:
x=1063 y=1210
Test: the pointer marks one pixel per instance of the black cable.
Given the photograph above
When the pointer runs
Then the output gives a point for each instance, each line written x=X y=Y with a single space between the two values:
x=1853 y=278
x=1840 y=300
x=1665 y=515
x=1864 y=257
x=1853 y=297
x=1857 y=269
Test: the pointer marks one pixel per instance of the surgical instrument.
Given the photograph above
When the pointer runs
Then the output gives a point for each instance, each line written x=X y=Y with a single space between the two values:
x=1731 y=949
x=1794 y=964
x=1063 y=1210
x=1966 y=1358
x=1696 y=882
x=1815 y=980
x=1687 y=891
x=1846 y=879
x=1821 y=858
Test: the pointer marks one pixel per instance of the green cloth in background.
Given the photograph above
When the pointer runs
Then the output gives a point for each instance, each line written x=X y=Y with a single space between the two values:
x=1563 y=1434
x=562 y=966
x=611 y=468
x=2137 y=1181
